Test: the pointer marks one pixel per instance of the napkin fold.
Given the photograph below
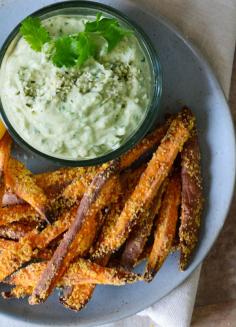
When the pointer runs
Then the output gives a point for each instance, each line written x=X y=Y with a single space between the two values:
x=175 y=309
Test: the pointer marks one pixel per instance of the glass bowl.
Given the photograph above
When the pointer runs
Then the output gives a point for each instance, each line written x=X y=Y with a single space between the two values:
x=92 y=8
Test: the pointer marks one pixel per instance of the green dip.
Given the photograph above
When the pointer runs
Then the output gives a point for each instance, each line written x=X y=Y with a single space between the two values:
x=75 y=113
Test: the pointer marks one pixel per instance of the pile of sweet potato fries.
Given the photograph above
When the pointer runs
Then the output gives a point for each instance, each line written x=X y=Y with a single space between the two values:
x=77 y=227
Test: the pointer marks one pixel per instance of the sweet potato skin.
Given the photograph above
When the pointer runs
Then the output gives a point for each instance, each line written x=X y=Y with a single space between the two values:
x=166 y=227
x=136 y=242
x=192 y=199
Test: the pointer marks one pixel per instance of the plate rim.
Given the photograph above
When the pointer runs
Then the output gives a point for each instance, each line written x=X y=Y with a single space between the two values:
x=208 y=68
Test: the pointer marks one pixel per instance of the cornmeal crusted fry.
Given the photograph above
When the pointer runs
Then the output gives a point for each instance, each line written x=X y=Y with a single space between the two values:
x=16 y=230
x=5 y=150
x=138 y=237
x=12 y=258
x=192 y=199
x=17 y=292
x=5 y=244
x=20 y=181
x=72 y=193
x=147 y=144
x=54 y=182
x=11 y=199
x=17 y=213
x=166 y=227
x=80 y=272
x=150 y=182
x=77 y=240
x=75 y=298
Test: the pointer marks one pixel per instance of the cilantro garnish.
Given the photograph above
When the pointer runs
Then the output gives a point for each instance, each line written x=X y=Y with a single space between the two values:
x=74 y=49
x=64 y=52
x=34 y=33
x=109 y=29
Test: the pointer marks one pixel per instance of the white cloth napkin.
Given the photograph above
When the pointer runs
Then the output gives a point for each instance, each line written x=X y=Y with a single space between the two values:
x=211 y=25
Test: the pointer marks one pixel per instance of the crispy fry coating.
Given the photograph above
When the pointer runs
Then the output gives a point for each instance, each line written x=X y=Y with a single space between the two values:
x=148 y=143
x=101 y=218
x=5 y=150
x=138 y=238
x=33 y=241
x=77 y=297
x=92 y=202
x=166 y=227
x=5 y=244
x=53 y=183
x=80 y=272
x=150 y=182
x=16 y=230
x=17 y=292
x=13 y=258
x=192 y=199
x=22 y=183
x=17 y=212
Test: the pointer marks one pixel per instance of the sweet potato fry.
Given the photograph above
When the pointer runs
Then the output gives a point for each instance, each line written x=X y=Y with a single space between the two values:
x=166 y=227
x=17 y=292
x=62 y=176
x=75 y=298
x=151 y=141
x=72 y=193
x=150 y=182
x=5 y=244
x=80 y=272
x=18 y=212
x=22 y=183
x=5 y=150
x=92 y=202
x=192 y=199
x=11 y=199
x=16 y=230
x=138 y=237
x=12 y=258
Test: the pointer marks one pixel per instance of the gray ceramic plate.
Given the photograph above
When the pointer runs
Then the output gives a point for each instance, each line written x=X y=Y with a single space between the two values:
x=187 y=80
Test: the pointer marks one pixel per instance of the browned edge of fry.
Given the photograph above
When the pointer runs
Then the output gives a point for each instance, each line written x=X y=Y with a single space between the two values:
x=138 y=237
x=165 y=228
x=192 y=199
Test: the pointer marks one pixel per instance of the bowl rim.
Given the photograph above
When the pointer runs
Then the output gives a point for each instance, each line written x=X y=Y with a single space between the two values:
x=152 y=110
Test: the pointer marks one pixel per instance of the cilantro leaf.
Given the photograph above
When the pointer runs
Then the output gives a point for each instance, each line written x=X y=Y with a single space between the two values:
x=65 y=52
x=74 y=49
x=86 y=48
x=34 y=33
x=114 y=35
x=109 y=29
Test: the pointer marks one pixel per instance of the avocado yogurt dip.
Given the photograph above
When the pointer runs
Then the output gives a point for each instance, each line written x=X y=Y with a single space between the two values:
x=75 y=112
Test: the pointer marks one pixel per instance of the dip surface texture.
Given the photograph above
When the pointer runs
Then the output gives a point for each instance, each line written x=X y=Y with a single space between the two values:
x=75 y=113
